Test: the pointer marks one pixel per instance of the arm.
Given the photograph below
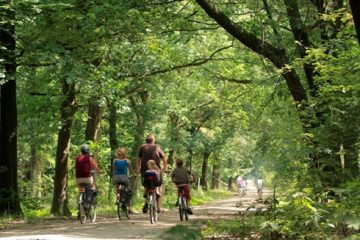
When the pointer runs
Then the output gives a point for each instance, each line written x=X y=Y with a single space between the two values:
x=94 y=164
x=164 y=161
x=129 y=166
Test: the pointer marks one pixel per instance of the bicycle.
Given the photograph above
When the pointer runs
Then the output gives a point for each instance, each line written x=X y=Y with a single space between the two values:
x=182 y=204
x=87 y=203
x=123 y=203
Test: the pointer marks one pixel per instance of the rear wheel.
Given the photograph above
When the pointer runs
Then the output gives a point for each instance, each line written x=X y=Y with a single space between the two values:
x=152 y=208
x=181 y=209
x=120 y=212
x=82 y=213
x=92 y=212
x=185 y=209
x=126 y=209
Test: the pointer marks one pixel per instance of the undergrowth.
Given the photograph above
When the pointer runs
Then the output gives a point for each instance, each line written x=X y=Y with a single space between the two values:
x=302 y=215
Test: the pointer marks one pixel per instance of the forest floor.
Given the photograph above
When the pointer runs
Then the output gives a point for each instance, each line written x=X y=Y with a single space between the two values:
x=139 y=226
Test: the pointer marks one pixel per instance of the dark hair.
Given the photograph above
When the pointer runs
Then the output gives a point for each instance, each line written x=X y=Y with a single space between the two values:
x=85 y=149
x=179 y=162
x=150 y=138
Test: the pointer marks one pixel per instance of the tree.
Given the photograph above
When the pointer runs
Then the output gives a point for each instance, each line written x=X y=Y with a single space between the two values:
x=276 y=52
x=9 y=196
x=355 y=9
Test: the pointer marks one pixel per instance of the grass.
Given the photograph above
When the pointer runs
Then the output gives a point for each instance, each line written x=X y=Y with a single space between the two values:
x=180 y=232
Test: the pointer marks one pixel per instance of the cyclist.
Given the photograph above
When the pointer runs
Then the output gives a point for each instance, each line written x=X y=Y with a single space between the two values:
x=121 y=166
x=84 y=165
x=150 y=151
x=181 y=177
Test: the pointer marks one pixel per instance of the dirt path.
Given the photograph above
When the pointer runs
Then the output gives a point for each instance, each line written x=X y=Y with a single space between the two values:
x=138 y=227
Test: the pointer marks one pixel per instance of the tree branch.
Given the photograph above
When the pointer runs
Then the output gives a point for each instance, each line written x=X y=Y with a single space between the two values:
x=276 y=55
x=196 y=62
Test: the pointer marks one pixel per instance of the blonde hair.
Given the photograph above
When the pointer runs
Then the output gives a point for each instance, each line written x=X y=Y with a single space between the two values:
x=151 y=164
x=121 y=152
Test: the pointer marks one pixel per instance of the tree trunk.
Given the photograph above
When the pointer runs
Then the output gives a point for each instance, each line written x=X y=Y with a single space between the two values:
x=215 y=184
x=230 y=183
x=301 y=36
x=114 y=144
x=140 y=130
x=95 y=114
x=68 y=108
x=204 y=170
x=9 y=192
x=355 y=9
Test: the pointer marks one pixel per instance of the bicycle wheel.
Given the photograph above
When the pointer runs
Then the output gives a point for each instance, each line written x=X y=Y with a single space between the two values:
x=181 y=209
x=126 y=209
x=155 y=212
x=152 y=208
x=82 y=213
x=185 y=209
x=92 y=212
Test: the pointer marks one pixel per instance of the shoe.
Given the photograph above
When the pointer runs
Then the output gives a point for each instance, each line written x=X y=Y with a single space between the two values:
x=189 y=211
x=177 y=203
x=145 y=208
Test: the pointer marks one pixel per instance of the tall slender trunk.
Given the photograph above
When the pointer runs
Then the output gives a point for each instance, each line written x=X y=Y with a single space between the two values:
x=114 y=144
x=59 y=205
x=140 y=128
x=9 y=192
x=95 y=115
x=204 y=170
x=215 y=183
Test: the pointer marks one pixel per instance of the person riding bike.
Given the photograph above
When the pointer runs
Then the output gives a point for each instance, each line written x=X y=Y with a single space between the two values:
x=181 y=177
x=84 y=165
x=121 y=166
x=150 y=151
x=153 y=170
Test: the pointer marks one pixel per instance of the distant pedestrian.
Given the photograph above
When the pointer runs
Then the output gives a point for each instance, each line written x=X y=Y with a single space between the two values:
x=259 y=186
x=241 y=184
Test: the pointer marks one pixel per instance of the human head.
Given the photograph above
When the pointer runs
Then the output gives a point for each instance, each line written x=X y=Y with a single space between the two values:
x=179 y=162
x=150 y=138
x=85 y=149
x=151 y=164
x=121 y=152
